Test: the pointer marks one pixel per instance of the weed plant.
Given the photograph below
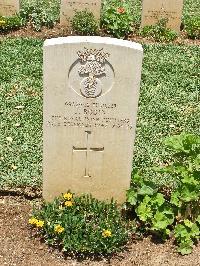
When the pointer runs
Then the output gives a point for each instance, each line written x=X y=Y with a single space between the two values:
x=159 y=32
x=84 y=23
x=81 y=224
x=39 y=13
x=192 y=27
x=10 y=23
x=176 y=212
x=117 y=17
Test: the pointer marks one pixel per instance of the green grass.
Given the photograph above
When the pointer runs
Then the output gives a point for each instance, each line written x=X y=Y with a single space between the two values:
x=21 y=85
x=169 y=104
x=169 y=100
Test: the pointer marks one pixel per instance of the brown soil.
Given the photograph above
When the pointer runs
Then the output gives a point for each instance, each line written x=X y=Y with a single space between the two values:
x=19 y=247
x=59 y=31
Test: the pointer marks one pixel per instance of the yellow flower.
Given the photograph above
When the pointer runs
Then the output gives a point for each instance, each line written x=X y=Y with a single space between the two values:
x=2 y=22
x=106 y=233
x=59 y=229
x=68 y=196
x=36 y=222
x=68 y=203
x=40 y=223
x=32 y=221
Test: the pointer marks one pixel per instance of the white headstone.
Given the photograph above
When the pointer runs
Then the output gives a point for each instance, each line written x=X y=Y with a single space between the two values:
x=155 y=10
x=68 y=8
x=9 y=7
x=91 y=91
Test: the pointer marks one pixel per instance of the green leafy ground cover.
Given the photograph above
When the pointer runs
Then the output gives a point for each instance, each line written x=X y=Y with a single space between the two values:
x=172 y=212
x=169 y=104
x=50 y=7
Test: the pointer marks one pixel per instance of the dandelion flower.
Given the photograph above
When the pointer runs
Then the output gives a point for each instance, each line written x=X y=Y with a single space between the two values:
x=68 y=203
x=32 y=221
x=68 y=196
x=59 y=229
x=106 y=233
x=40 y=223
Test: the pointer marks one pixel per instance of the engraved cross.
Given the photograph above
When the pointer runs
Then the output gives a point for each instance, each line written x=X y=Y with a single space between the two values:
x=87 y=149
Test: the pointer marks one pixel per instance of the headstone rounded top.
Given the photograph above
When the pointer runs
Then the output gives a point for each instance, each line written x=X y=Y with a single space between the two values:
x=93 y=39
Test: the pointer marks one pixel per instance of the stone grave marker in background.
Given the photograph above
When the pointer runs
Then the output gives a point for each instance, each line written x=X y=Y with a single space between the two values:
x=91 y=91
x=68 y=7
x=9 y=7
x=154 y=10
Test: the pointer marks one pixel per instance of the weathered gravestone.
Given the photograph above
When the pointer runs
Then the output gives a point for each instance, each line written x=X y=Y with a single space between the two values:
x=91 y=90
x=9 y=7
x=153 y=11
x=68 y=8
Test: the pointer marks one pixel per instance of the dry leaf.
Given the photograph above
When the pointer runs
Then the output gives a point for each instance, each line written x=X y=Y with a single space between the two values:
x=19 y=107
x=14 y=167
